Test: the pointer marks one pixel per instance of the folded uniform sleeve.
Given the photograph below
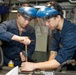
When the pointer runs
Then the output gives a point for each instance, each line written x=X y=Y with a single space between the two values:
x=68 y=48
x=4 y=34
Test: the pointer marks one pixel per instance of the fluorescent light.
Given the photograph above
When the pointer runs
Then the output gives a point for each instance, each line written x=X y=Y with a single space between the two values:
x=13 y=10
x=22 y=0
x=39 y=6
x=72 y=1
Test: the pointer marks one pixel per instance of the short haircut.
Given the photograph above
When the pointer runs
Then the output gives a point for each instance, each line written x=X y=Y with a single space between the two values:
x=56 y=6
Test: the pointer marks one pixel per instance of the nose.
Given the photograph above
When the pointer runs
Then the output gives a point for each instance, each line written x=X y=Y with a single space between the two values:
x=26 y=21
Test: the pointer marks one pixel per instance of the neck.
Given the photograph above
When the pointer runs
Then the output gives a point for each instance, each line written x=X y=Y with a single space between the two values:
x=61 y=21
x=19 y=27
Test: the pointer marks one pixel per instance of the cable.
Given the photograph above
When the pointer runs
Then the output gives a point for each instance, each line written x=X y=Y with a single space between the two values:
x=66 y=63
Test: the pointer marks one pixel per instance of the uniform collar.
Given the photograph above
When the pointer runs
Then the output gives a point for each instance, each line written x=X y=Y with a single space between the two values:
x=64 y=28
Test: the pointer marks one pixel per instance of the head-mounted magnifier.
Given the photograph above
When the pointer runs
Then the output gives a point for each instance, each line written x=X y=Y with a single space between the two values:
x=28 y=12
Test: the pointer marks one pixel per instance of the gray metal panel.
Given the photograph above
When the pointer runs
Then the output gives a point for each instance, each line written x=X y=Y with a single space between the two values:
x=65 y=73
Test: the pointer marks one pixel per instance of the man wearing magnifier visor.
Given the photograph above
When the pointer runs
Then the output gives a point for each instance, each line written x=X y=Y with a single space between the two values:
x=15 y=34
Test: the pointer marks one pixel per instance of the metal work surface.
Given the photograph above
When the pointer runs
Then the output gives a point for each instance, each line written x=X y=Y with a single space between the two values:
x=7 y=69
x=50 y=73
x=65 y=73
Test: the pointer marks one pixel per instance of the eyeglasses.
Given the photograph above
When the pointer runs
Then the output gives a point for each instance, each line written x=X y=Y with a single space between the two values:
x=48 y=17
x=26 y=17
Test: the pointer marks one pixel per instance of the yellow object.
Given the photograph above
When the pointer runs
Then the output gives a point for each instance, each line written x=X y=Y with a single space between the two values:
x=10 y=64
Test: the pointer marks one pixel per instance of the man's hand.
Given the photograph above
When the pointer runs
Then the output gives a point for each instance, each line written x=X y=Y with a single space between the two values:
x=27 y=66
x=23 y=58
x=25 y=40
x=22 y=39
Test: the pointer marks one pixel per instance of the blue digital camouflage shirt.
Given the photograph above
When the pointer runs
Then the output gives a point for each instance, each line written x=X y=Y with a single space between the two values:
x=12 y=49
x=67 y=38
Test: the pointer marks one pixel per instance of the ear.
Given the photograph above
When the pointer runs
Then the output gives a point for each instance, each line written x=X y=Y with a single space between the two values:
x=58 y=17
x=18 y=14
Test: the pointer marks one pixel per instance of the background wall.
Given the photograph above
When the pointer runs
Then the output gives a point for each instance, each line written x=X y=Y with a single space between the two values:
x=42 y=30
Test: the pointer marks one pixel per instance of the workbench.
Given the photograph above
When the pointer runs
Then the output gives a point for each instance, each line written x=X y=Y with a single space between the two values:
x=6 y=69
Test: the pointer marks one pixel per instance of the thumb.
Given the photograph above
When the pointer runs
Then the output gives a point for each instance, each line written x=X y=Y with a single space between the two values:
x=23 y=58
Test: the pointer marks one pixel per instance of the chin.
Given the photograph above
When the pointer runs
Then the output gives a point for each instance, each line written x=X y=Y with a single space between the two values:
x=52 y=28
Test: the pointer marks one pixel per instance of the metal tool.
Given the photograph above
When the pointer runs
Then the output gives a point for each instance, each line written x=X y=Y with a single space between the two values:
x=25 y=53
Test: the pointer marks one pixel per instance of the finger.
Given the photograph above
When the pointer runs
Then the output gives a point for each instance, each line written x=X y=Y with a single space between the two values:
x=26 y=38
x=22 y=65
x=22 y=57
x=20 y=54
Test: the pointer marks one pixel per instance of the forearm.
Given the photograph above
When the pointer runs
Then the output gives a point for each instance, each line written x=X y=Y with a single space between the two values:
x=21 y=39
x=15 y=38
x=48 y=65
x=52 y=55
